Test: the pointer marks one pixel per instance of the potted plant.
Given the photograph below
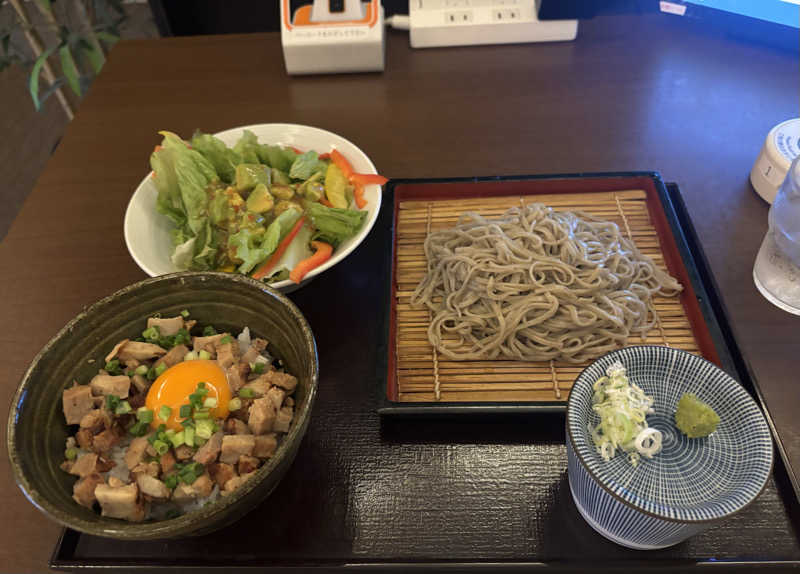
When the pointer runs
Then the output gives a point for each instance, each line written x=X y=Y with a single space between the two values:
x=60 y=41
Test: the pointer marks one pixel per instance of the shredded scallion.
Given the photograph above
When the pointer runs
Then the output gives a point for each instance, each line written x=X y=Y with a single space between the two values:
x=622 y=407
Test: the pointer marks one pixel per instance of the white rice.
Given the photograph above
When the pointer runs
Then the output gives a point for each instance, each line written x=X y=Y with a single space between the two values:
x=120 y=470
x=244 y=339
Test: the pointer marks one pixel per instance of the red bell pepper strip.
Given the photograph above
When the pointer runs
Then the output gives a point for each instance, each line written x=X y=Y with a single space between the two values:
x=325 y=202
x=367 y=179
x=342 y=163
x=265 y=269
x=322 y=253
x=358 y=195
x=325 y=155
x=295 y=150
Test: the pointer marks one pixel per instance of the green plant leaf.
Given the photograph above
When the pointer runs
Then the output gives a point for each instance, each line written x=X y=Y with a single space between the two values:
x=94 y=55
x=50 y=91
x=70 y=69
x=45 y=4
x=33 y=83
x=107 y=37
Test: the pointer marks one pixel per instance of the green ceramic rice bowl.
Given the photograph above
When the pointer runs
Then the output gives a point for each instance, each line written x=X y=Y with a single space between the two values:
x=37 y=430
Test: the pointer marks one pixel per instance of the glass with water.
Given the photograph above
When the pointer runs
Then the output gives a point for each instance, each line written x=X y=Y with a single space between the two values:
x=777 y=269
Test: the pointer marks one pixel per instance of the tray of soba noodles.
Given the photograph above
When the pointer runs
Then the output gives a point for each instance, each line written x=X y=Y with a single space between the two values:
x=503 y=290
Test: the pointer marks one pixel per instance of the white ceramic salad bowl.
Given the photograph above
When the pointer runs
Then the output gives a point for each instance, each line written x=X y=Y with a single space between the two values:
x=147 y=232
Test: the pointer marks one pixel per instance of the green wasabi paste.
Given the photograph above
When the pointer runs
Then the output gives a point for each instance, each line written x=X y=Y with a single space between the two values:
x=695 y=418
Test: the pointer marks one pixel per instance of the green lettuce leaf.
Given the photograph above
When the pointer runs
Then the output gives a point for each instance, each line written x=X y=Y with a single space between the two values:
x=215 y=151
x=205 y=249
x=275 y=156
x=187 y=174
x=307 y=164
x=169 y=200
x=254 y=245
x=247 y=147
x=334 y=225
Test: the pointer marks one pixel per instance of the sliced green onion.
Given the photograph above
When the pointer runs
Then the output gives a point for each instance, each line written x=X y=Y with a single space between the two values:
x=200 y=441
x=247 y=393
x=151 y=333
x=199 y=416
x=204 y=355
x=140 y=370
x=187 y=423
x=151 y=374
x=210 y=403
x=234 y=404
x=129 y=373
x=112 y=402
x=123 y=408
x=112 y=367
x=209 y=331
x=185 y=411
x=204 y=428
x=185 y=313
x=171 y=481
x=160 y=369
x=71 y=453
x=201 y=385
x=161 y=428
x=257 y=368
x=190 y=356
x=181 y=337
x=225 y=340
x=138 y=429
x=188 y=436
x=177 y=439
x=144 y=415
x=161 y=447
x=188 y=478
x=164 y=412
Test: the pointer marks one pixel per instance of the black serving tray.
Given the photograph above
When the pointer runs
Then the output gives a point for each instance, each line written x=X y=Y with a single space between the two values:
x=485 y=492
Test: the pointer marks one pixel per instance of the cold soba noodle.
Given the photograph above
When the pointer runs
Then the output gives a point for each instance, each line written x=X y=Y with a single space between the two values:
x=537 y=284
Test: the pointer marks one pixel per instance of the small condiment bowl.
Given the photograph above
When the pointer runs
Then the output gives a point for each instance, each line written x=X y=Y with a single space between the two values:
x=37 y=430
x=691 y=484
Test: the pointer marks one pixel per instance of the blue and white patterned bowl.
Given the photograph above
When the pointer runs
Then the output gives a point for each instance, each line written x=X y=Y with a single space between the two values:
x=692 y=483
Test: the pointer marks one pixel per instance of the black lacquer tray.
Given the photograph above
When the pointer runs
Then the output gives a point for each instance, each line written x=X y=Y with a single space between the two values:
x=482 y=492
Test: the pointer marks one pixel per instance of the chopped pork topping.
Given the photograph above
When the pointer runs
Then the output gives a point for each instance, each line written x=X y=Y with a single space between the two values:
x=120 y=501
x=116 y=424
x=111 y=385
x=166 y=327
x=77 y=402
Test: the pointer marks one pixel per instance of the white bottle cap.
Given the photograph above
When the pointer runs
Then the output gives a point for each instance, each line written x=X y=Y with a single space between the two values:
x=780 y=148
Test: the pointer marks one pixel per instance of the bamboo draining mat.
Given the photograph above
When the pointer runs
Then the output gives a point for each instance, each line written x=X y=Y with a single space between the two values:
x=505 y=380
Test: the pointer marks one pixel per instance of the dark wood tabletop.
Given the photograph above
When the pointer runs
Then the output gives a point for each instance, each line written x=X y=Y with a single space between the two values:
x=647 y=92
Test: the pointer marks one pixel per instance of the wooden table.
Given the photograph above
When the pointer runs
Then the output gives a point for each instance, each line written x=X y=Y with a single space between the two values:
x=632 y=93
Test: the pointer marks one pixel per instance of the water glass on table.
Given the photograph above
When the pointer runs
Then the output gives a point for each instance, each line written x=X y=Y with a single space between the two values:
x=777 y=268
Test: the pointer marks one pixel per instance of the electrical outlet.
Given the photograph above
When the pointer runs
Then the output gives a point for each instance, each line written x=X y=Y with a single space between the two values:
x=464 y=22
x=506 y=15
x=462 y=17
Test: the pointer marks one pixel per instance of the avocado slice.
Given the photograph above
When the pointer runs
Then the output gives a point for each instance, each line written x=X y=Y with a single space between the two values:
x=260 y=199
x=249 y=175
x=279 y=177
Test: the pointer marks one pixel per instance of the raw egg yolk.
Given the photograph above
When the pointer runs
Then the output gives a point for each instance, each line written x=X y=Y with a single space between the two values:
x=173 y=387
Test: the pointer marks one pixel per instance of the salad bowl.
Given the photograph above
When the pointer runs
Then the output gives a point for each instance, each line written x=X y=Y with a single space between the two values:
x=148 y=232
x=688 y=486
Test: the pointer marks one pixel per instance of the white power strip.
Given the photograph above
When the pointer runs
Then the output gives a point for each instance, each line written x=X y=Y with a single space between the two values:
x=435 y=23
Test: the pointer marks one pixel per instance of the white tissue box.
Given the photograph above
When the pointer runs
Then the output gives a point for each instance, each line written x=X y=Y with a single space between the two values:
x=332 y=47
